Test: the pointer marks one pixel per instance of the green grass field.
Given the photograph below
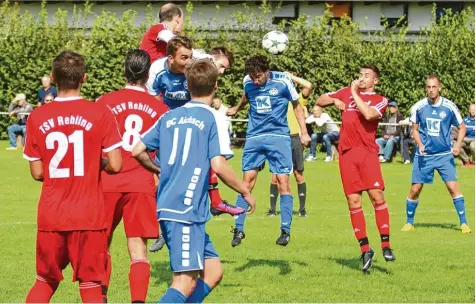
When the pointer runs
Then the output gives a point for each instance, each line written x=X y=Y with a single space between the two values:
x=435 y=263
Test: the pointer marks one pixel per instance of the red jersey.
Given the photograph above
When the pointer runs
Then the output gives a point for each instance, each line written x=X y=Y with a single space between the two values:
x=136 y=112
x=67 y=135
x=155 y=41
x=356 y=130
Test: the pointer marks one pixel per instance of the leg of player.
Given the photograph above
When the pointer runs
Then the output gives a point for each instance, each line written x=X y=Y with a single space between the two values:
x=139 y=273
x=412 y=204
x=42 y=291
x=218 y=205
x=458 y=201
x=382 y=219
x=183 y=284
x=302 y=191
x=210 y=277
x=249 y=179
x=354 y=201
x=273 y=195
x=286 y=206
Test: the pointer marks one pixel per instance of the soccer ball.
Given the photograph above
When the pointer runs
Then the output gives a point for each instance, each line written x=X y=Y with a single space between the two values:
x=275 y=42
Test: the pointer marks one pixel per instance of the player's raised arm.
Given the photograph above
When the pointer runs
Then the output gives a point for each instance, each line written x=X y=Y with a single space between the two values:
x=369 y=113
x=325 y=100
x=232 y=111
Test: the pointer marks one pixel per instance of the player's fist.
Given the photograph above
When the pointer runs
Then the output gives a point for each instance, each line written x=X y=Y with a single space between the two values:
x=421 y=149
x=339 y=104
x=232 y=111
x=305 y=139
x=456 y=149
x=251 y=201
x=355 y=86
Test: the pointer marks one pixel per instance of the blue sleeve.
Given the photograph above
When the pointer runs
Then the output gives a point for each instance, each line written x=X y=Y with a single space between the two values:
x=291 y=93
x=456 y=118
x=151 y=138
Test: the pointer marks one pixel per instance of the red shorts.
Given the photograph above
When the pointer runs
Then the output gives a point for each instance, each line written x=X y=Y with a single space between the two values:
x=139 y=211
x=86 y=251
x=360 y=171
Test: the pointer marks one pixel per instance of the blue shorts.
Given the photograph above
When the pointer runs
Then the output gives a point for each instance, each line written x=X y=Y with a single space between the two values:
x=424 y=167
x=189 y=245
x=275 y=149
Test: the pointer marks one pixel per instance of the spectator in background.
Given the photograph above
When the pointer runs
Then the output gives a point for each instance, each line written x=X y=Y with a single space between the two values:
x=462 y=154
x=468 y=141
x=49 y=98
x=391 y=133
x=407 y=141
x=328 y=133
x=45 y=90
x=222 y=109
x=18 y=107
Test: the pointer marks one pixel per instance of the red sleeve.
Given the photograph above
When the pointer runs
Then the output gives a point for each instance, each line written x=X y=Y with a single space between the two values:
x=31 y=151
x=154 y=32
x=380 y=104
x=110 y=137
x=339 y=94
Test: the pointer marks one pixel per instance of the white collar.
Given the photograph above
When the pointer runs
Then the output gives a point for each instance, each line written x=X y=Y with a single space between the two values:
x=68 y=98
x=135 y=88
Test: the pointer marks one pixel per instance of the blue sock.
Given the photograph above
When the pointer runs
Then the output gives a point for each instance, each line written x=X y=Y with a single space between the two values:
x=459 y=206
x=411 y=209
x=201 y=291
x=172 y=295
x=286 y=205
x=240 y=219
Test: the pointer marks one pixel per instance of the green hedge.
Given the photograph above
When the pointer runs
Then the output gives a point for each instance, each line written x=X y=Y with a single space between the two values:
x=328 y=53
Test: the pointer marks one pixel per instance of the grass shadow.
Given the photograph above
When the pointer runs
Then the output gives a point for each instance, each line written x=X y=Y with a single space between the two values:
x=284 y=266
x=354 y=264
x=161 y=272
x=438 y=225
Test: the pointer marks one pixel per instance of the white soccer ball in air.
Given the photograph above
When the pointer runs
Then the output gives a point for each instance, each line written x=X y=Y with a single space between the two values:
x=275 y=42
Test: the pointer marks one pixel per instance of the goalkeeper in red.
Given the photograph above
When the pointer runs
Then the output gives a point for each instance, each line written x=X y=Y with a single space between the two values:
x=359 y=165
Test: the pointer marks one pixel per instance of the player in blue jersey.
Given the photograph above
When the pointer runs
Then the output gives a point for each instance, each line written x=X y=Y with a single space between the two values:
x=267 y=137
x=190 y=140
x=432 y=119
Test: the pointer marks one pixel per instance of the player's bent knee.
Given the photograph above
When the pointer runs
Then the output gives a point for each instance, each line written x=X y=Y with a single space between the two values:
x=415 y=191
x=185 y=282
x=213 y=272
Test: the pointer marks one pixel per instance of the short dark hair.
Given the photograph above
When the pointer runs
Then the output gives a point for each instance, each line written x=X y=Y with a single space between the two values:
x=175 y=43
x=202 y=76
x=136 y=67
x=432 y=76
x=68 y=70
x=256 y=64
x=372 y=67
x=169 y=11
x=223 y=51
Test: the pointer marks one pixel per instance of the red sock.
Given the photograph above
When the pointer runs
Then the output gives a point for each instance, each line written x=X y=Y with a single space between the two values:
x=42 y=291
x=360 y=229
x=107 y=276
x=139 y=276
x=382 y=219
x=91 y=292
x=213 y=192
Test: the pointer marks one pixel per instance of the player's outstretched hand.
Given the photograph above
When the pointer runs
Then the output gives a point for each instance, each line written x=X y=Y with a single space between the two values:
x=305 y=139
x=251 y=201
x=339 y=104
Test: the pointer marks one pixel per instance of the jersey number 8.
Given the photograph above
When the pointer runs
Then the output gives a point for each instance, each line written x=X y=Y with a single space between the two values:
x=133 y=126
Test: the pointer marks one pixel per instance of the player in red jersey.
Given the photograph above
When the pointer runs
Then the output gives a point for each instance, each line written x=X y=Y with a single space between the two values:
x=130 y=195
x=63 y=144
x=156 y=38
x=359 y=165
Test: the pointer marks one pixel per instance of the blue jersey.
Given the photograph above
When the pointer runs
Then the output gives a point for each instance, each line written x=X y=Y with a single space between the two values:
x=269 y=105
x=173 y=87
x=469 y=122
x=435 y=123
x=187 y=139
